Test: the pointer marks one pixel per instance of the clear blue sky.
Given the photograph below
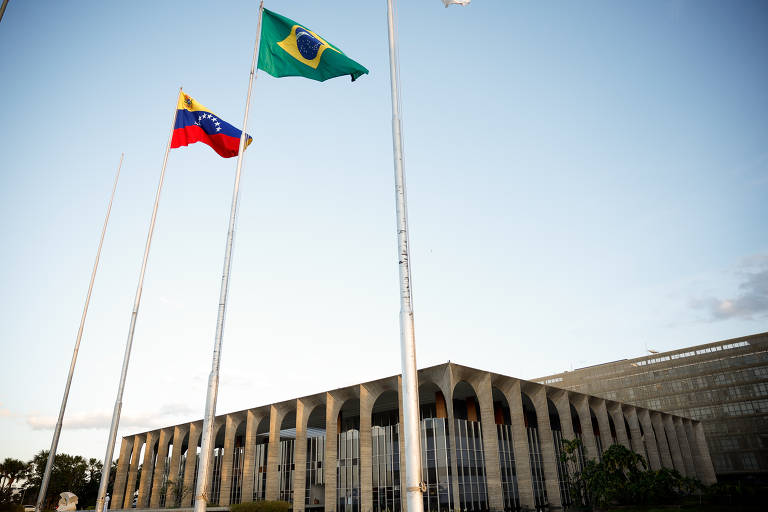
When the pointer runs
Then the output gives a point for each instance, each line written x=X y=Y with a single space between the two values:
x=586 y=179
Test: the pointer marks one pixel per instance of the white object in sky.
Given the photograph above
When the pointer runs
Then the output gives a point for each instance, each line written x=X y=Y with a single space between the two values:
x=456 y=2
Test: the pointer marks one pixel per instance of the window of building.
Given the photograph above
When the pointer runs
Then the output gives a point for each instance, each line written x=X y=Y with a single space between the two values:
x=749 y=461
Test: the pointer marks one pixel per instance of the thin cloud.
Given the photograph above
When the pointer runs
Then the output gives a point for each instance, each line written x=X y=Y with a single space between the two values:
x=750 y=302
x=102 y=419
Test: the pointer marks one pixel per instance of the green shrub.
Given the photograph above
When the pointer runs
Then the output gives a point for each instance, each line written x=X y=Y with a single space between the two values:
x=261 y=506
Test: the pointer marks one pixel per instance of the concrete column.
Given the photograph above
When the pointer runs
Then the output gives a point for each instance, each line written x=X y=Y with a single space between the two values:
x=366 y=450
x=273 y=455
x=231 y=422
x=685 y=447
x=634 y=429
x=601 y=413
x=331 y=442
x=190 y=466
x=563 y=406
x=484 y=392
x=179 y=432
x=581 y=404
x=118 y=490
x=674 y=448
x=300 y=457
x=618 y=421
x=138 y=442
x=252 y=424
x=661 y=440
x=701 y=458
x=147 y=470
x=452 y=439
x=652 y=447
x=166 y=435
x=520 y=442
x=551 y=480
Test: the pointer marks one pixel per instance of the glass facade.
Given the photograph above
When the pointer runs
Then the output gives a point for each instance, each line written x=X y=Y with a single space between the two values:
x=509 y=488
x=314 y=495
x=470 y=462
x=385 y=449
x=537 y=468
x=436 y=465
x=285 y=469
x=723 y=384
x=218 y=457
x=236 y=490
x=348 y=470
x=260 y=469
x=562 y=471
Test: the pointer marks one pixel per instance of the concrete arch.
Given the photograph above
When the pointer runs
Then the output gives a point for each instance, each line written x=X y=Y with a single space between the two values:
x=541 y=476
x=190 y=465
x=161 y=470
x=277 y=413
x=334 y=400
x=310 y=430
x=232 y=461
x=470 y=451
x=612 y=431
x=465 y=402
x=508 y=474
x=175 y=488
x=348 y=471
x=385 y=456
x=556 y=426
x=255 y=463
x=148 y=469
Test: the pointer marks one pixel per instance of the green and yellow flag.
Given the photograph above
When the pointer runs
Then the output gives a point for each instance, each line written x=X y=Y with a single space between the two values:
x=291 y=49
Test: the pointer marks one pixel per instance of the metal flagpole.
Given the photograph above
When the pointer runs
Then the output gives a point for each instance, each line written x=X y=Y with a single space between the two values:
x=206 y=443
x=132 y=327
x=57 y=430
x=2 y=9
x=413 y=483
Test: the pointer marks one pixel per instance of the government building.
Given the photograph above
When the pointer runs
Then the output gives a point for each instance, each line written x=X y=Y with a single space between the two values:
x=722 y=384
x=488 y=443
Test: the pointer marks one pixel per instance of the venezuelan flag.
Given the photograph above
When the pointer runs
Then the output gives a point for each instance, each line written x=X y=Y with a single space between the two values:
x=195 y=123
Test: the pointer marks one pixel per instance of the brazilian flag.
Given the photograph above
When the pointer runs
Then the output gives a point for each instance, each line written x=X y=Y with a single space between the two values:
x=290 y=49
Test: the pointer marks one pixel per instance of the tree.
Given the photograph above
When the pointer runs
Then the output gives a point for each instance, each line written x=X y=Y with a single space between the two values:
x=179 y=491
x=11 y=470
x=69 y=473
x=622 y=477
x=617 y=478
x=570 y=454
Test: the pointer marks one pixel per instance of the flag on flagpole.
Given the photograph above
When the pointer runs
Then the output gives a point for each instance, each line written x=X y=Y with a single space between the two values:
x=195 y=123
x=291 y=49
x=456 y=2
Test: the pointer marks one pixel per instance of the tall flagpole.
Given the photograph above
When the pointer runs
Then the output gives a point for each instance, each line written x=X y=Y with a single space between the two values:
x=2 y=9
x=206 y=444
x=411 y=431
x=132 y=327
x=57 y=430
